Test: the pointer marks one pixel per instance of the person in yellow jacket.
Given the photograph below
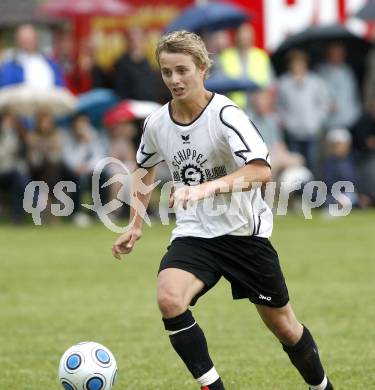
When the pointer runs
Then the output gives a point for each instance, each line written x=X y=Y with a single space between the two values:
x=246 y=60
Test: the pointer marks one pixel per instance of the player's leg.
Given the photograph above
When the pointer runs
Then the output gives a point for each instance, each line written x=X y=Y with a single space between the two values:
x=176 y=289
x=254 y=271
x=297 y=342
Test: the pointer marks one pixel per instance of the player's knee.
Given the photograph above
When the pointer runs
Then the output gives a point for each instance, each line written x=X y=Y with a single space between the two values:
x=171 y=303
x=287 y=333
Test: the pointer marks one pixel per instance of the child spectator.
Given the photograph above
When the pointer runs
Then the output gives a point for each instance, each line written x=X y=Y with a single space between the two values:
x=339 y=165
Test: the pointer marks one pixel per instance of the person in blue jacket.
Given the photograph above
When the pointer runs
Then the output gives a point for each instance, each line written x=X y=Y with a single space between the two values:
x=28 y=65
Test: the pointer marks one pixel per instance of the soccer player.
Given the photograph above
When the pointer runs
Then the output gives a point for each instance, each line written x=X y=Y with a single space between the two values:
x=216 y=157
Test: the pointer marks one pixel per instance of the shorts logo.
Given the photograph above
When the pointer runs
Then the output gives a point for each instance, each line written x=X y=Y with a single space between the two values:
x=261 y=296
x=192 y=175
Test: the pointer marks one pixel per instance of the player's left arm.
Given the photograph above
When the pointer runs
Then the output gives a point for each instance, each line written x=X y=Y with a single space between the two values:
x=248 y=150
x=254 y=174
x=251 y=175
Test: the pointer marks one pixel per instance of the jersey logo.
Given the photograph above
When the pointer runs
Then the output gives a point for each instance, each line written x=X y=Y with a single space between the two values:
x=192 y=175
x=185 y=139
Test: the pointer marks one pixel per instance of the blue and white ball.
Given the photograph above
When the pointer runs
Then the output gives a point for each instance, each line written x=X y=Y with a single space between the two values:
x=87 y=366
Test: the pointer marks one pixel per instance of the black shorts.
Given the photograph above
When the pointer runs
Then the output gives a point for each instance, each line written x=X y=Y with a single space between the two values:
x=249 y=263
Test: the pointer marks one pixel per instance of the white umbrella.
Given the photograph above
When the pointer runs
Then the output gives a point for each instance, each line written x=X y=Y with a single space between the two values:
x=26 y=100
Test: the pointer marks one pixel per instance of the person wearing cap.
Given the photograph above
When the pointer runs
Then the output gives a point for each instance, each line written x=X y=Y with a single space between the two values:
x=339 y=165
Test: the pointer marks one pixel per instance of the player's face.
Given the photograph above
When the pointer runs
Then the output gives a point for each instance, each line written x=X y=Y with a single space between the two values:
x=181 y=75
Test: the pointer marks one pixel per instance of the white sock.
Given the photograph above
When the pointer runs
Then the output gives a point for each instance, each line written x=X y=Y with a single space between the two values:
x=322 y=386
x=209 y=377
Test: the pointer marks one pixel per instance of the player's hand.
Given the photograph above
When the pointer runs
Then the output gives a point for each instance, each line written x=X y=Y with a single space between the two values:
x=189 y=194
x=125 y=243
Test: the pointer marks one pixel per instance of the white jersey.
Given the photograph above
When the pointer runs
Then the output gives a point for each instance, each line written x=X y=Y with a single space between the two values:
x=220 y=141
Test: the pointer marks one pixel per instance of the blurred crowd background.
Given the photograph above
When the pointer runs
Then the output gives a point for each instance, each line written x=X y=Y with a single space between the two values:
x=69 y=96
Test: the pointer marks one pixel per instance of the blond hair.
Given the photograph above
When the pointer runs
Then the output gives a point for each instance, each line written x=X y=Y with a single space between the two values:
x=185 y=42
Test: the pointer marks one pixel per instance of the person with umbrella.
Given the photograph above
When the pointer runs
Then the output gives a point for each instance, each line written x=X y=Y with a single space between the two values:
x=214 y=153
x=342 y=84
x=303 y=102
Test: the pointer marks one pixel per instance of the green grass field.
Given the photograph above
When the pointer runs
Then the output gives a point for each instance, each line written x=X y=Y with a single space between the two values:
x=59 y=285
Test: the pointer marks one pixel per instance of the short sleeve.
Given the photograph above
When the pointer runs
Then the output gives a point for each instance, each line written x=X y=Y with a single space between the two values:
x=148 y=153
x=244 y=139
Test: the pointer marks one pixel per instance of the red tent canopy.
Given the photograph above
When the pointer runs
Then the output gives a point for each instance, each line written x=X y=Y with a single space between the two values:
x=74 y=8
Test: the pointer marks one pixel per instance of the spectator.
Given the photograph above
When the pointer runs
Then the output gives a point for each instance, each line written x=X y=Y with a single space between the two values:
x=63 y=51
x=133 y=76
x=339 y=165
x=216 y=42
x=122 y=148
x=363 y=133
x=302 y=105
x=2 y=50
x=45 y=155
x=246 y=60
x=13 y=172
x=345 y=103
x=265 y=119
x=86 y=74
x=122 y=143
x=82 y=150
x=28 y=65
x=123 y=134
x=369 y=78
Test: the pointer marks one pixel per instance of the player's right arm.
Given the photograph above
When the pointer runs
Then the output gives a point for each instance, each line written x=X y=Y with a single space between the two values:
x=148 y=156
x=125 y=243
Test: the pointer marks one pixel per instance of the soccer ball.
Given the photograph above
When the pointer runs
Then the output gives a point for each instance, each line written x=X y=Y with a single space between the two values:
x=87 y=366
